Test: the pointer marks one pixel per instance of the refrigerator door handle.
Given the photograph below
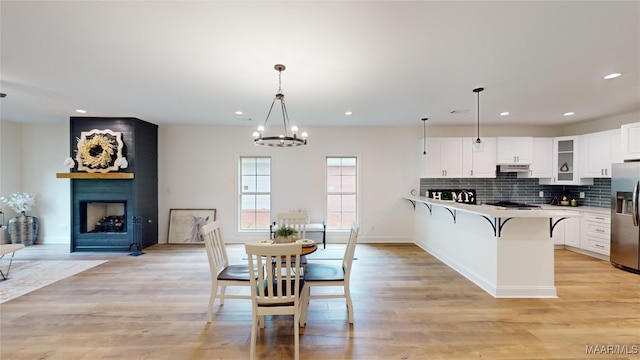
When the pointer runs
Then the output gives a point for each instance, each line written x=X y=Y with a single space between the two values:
x=634 y=203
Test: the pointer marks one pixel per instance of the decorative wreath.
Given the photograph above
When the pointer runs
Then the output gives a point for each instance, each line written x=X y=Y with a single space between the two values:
x=99 y=150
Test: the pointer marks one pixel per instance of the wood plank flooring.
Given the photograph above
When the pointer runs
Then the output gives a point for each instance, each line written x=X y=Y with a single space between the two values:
x=408 y=305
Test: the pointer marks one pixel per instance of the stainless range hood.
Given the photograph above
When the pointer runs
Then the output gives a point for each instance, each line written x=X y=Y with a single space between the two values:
x=513 y=168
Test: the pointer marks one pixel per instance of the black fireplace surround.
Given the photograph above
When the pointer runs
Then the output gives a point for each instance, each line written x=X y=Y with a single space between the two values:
x=102 y=209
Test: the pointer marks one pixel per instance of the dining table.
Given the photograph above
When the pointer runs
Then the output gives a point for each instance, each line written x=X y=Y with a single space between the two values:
x=308 y=246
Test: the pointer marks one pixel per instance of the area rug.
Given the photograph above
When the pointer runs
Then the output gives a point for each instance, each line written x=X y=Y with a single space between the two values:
x=29 y=275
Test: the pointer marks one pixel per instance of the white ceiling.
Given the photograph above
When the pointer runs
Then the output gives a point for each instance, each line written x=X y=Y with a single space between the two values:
x=390 y=63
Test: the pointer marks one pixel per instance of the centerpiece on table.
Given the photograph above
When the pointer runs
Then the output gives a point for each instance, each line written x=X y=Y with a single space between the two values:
x=284 y=234
x=22 y=229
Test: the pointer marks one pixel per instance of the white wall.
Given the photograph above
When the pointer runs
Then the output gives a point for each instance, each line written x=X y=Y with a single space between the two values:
x=198 y=167
x=30 y=155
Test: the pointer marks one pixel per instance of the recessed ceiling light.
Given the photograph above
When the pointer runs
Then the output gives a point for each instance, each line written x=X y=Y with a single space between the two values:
x=348 y=113
x=238 y=112
x=612 y=76
x=569 y=113
x=81 y=111
x=504 y=113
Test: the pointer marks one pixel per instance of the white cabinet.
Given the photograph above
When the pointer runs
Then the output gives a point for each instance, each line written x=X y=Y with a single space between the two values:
x=481 y=164
x=598 y=151
x=565 y=163
x=542 y=159
x=596 y=231
x=630 y=140
x=444 y=158
x=572 y=231
x=567 y=232
x=514 y=150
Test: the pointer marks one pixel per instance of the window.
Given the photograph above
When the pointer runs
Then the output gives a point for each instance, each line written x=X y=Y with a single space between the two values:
x=342 y=192
x=255 y=193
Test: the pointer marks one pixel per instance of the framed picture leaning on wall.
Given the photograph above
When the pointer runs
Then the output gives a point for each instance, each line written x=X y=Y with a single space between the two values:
x=185 y=224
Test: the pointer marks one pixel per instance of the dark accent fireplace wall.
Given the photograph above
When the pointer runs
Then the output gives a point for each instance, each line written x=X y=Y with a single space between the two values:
x=140 y=194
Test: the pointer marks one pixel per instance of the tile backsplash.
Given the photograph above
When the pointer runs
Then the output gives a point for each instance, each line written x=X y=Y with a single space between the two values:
x=507 y=186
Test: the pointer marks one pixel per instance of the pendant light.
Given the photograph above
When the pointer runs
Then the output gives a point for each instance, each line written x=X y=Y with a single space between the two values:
x=477 y=145
x=284 y=139
x=424 y=135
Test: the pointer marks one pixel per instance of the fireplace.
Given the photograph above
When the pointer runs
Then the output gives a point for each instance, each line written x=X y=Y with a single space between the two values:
x=103 y=216
x=115 y=209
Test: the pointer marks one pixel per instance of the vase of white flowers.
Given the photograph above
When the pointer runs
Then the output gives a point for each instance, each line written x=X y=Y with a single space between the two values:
x=22 y=229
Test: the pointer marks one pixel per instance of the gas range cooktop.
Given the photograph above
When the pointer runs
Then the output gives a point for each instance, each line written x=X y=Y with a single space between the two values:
x=514 y=205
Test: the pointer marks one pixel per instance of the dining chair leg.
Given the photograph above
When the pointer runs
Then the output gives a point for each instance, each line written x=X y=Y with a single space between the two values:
x=212 y=299
x=347 y=295
x=304 y=303
x=222 y=290
x=254 y=337
x=296 y=329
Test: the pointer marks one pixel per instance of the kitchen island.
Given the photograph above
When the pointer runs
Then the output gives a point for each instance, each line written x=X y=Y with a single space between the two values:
x=507 y=253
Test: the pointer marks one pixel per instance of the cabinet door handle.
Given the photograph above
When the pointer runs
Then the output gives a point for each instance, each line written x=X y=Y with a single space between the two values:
x=599 y=218
x=600 y=230
x=600 y=246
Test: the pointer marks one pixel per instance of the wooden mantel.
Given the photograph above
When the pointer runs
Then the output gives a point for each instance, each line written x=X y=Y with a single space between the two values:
x=83 y=175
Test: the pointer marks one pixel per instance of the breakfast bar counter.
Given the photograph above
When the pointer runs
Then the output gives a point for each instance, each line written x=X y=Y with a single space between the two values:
x=508 y=253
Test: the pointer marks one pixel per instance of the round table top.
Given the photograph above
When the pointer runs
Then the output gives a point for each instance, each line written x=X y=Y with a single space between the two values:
x=306 y=250
x=309 y=249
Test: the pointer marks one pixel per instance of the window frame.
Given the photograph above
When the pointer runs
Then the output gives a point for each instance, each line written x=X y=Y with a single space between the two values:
x=241 y=192
x=356 y=192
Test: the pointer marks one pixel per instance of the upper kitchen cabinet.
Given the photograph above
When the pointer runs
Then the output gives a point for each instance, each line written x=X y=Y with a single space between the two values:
x=566 y=163
x=444 y=158
x=630 y=140
x=598 y=151
x=542 y=158
x=514 y=150
x=479 y=164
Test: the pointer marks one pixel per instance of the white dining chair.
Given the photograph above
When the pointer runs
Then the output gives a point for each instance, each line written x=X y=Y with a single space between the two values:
x=296 y=220
x=222 y=274
x=276 y=291
x=329 y=275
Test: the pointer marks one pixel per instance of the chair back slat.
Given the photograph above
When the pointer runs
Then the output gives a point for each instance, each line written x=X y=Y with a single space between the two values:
x=216 y=252
x=277 y=282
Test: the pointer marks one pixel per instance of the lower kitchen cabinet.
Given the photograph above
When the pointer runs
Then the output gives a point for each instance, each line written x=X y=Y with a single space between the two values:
x=572 y=231
x=596 y=233
x=588 y=234
x=567 y=232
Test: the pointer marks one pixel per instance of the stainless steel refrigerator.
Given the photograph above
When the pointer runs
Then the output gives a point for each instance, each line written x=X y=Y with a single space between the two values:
x=625 y=221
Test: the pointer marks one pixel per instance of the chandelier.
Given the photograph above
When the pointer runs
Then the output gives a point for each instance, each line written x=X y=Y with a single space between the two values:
x=290 y=136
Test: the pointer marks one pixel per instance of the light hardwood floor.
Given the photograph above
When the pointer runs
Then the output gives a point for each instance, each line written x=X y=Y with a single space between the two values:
x=408 y=305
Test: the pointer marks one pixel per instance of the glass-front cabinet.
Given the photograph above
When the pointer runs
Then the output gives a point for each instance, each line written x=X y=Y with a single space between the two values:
x=565 y=163
x=565 y=166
